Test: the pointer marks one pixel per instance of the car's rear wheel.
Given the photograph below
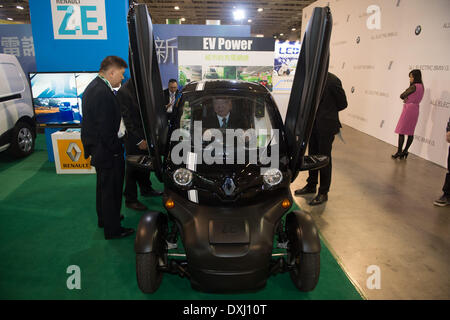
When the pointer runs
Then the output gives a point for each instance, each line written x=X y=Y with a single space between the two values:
x=22 y=140
x=149 y=277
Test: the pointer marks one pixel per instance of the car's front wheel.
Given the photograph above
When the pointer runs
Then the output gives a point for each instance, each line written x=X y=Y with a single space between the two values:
x=305 y=274
x=22 y=140
x=305 y=266
x=149 y=277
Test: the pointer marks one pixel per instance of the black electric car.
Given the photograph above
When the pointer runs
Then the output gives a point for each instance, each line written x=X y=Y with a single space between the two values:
x=226 y=162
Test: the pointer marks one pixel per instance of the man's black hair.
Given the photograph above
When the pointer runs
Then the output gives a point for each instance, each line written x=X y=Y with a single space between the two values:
x=110 y=61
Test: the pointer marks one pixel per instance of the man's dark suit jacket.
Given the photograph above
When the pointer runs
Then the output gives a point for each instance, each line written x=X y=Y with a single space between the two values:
x=167 y=96
x=131 y=115
x=234 y=122
x=101 y=122
x=333 y=100
x=171 y=116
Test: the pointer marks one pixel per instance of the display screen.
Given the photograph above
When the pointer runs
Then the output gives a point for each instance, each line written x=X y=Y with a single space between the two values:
x=57 y=97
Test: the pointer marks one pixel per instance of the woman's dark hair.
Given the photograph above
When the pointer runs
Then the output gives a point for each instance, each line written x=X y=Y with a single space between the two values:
x=417 y=76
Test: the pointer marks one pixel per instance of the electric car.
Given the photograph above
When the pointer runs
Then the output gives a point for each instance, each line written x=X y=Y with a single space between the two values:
x=226 y=161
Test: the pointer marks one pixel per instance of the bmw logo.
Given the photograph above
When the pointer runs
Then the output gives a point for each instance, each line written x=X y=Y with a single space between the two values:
x=358 y=39
x=418 y=30
x=353 y=89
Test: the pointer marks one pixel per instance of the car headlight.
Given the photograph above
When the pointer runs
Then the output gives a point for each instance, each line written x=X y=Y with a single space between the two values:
x=273 y=177
x=182 y=176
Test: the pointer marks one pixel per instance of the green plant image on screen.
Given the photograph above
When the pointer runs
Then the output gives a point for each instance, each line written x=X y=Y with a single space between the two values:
x=257 y=74
x=220 y=72
x=188 y=74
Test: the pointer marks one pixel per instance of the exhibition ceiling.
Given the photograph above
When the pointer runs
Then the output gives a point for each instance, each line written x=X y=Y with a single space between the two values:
x=281 y=18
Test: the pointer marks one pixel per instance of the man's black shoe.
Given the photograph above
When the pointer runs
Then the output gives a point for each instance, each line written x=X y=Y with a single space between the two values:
x=100 y=224
x=136 y=205
x=319 y=199
x=305 y=190
x=125 y=232
x=151 y=193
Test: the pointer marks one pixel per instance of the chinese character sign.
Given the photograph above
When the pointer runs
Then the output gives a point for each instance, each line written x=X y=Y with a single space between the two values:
x=18 y=41
x=165 y=49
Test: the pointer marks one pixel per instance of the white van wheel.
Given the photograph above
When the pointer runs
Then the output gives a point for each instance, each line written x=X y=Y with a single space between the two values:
x=22 y=140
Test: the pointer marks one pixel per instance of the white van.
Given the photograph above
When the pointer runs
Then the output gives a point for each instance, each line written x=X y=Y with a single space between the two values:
x=17 y=120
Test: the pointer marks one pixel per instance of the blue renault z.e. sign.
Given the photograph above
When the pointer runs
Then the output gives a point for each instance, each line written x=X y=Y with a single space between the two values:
x=79 y=19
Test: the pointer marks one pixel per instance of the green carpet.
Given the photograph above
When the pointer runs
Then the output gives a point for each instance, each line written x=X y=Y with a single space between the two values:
x=48 y=222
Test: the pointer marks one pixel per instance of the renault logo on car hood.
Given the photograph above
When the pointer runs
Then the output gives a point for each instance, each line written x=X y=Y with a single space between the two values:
x=74 y=152
x=228 y=186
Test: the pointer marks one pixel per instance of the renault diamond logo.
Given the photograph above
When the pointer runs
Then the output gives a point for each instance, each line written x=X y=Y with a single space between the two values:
x=74 y=152
x=228 y=187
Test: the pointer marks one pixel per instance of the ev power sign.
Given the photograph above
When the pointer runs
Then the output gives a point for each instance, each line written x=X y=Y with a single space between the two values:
x=225 y=44
x=79 y=19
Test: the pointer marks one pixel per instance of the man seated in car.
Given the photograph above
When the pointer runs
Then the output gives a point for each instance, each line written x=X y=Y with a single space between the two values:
x=223 y=116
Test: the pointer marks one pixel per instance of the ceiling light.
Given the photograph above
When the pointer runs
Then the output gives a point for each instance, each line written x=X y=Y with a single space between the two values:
x=293 y=29
x=281 y=34
x=10 y=19
x=19 y=7
x=260 y=36
x=275 y=37
x=183 y=19
x=177 y=8
x=260 y=9
x=239 y=14
x=249 y=20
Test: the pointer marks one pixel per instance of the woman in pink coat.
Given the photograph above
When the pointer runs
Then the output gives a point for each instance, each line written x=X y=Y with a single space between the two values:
x=408 y=119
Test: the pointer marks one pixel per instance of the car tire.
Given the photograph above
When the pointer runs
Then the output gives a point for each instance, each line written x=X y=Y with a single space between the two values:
x=22 y=140
x=306 y=271
x=148 y=276
x=305 y=267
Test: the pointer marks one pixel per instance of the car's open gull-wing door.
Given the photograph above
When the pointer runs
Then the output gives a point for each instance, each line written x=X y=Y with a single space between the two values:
x=147 y=80
x=307 y=88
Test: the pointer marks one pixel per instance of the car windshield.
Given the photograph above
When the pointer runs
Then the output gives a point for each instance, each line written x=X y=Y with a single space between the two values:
x=243 y=115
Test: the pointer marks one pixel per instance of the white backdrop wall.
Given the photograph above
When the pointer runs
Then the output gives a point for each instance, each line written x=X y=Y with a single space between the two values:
x=374 y=45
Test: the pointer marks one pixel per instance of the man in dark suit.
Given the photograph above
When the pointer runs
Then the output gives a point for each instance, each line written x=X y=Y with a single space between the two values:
x=326 y=126
x=101 y=142
x=135 y=143
x=444 y=200
x=223 y=116
x=171 y=96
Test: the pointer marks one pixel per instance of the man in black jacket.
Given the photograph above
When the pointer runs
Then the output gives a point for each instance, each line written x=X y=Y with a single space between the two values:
x=444 y=200
x=171 y=95
x=135 y=143
x=326 y=125
x=223 y=116
x=101 y=142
